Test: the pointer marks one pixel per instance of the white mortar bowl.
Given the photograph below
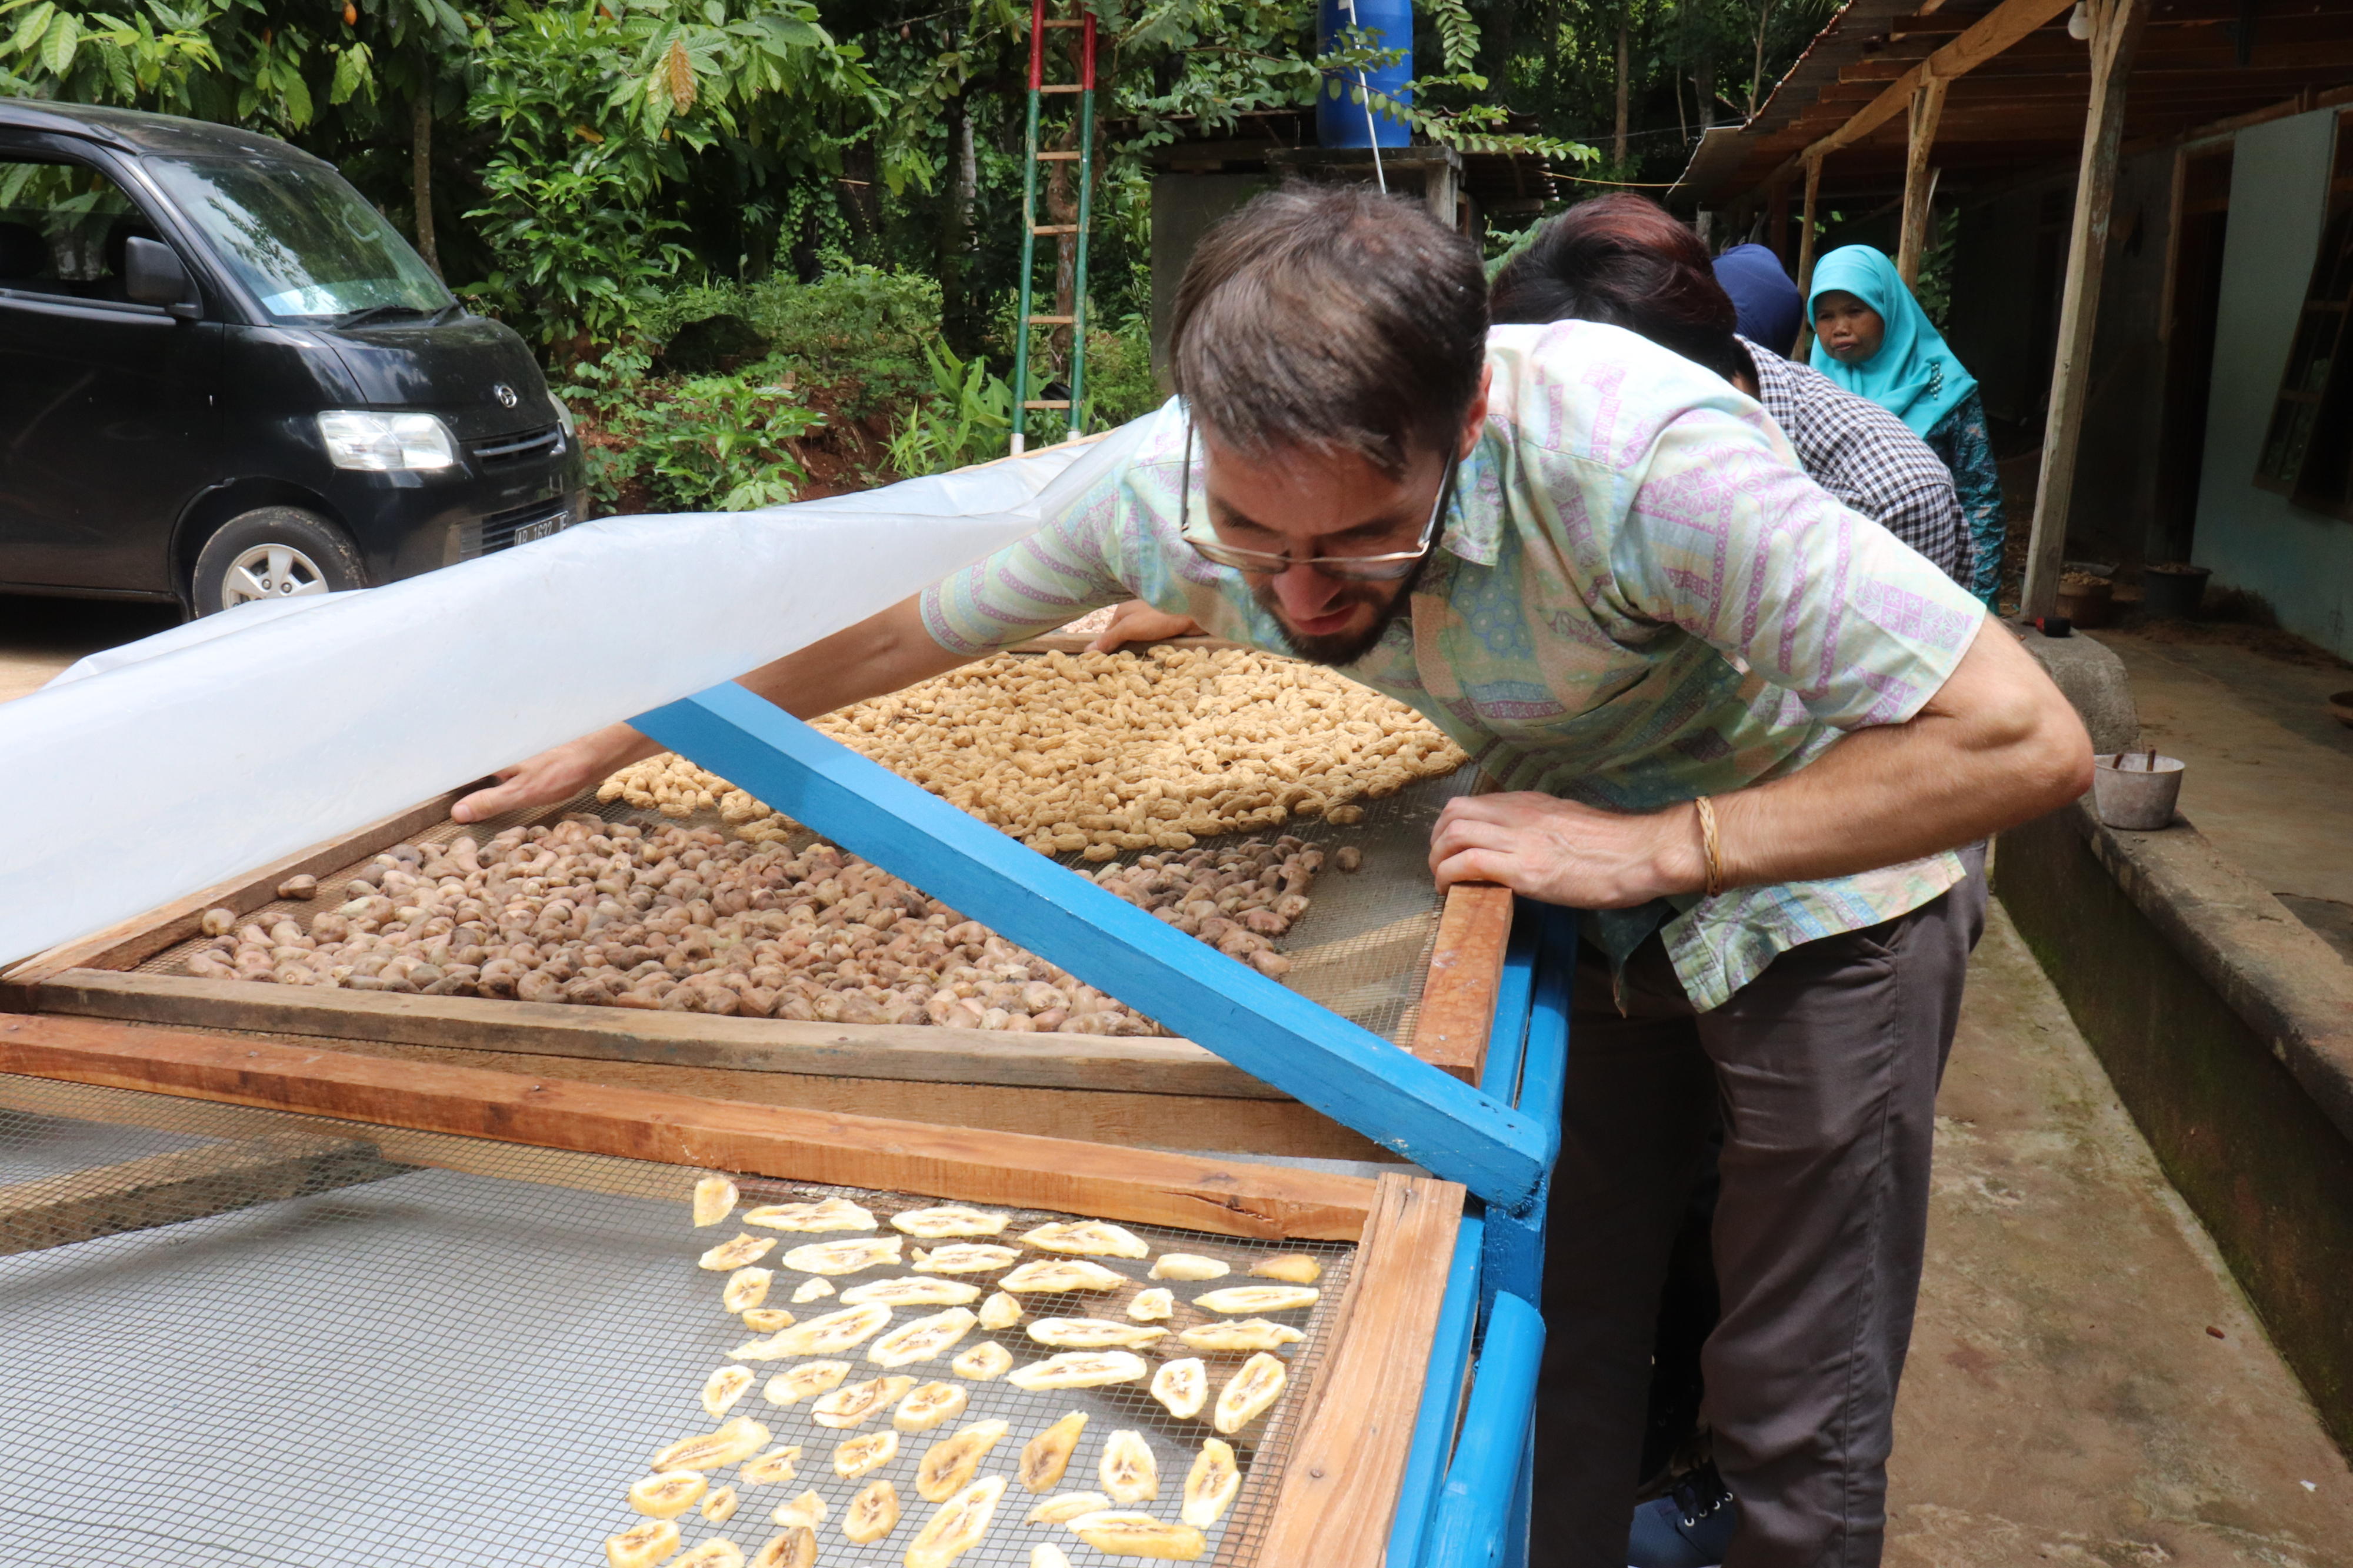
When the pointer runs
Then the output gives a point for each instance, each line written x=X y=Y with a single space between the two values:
x=2128 y=795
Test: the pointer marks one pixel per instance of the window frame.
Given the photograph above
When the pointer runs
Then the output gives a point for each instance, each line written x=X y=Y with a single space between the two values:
x=2317 y=476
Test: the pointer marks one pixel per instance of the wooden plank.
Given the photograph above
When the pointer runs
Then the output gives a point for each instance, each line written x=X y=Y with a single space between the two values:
x=2115 y=32
x=1919 y=179
x=1133 y=1184
x=1340 y=1480
x=1806 y=243
x=1341 y=1069
x=925 y=1053
x=186 y=1183
x=1466 y=964
x=137 y=940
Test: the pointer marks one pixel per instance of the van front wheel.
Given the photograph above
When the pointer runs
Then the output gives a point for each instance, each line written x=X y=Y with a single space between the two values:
x=273 y=553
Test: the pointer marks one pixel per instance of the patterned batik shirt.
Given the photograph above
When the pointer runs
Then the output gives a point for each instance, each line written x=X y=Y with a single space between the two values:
x=1637 y=598
x=1867 y=458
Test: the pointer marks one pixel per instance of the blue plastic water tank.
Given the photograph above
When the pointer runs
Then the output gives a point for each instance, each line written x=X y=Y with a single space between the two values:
x=1340 y=121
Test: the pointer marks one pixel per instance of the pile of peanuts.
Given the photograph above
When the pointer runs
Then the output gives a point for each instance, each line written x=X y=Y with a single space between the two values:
x=618 y=914
x=1102 y=753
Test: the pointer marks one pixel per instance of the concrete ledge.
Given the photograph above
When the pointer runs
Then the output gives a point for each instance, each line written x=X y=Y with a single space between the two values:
x=2227 y=1029
x=2093 y=679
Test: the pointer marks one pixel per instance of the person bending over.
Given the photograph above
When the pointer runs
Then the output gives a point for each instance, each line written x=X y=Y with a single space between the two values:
x=1596 y=566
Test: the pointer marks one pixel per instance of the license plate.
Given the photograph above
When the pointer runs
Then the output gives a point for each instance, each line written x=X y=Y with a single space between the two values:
x=539 y=530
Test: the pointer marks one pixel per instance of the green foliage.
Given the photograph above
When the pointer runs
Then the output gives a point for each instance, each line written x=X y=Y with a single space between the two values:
x=857 y=331
x=713 y=443
x=1935 y=289
x=967 y=419
x=1120 y=383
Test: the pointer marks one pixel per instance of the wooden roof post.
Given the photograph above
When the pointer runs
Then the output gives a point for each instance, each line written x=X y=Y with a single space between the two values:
x=1919 y=179
x=2115 y=32
x=1806 y=259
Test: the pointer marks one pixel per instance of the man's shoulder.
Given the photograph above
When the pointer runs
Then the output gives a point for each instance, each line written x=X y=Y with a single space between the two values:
x=1598 y=393
x=1869 y=436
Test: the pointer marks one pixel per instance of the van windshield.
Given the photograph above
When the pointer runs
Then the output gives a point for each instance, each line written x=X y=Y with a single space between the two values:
x=308 y=245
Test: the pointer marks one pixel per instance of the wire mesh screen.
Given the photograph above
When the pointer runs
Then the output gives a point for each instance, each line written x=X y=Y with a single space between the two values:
x=1362 y=949
x=232 y=1338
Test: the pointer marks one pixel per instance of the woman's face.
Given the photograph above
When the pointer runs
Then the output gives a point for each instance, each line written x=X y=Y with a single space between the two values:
x=1850 y=329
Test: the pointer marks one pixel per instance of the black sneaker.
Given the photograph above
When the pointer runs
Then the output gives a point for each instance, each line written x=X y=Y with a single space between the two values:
x=1689 y=1526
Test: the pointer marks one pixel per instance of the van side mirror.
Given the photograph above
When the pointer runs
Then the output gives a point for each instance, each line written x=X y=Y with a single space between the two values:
x=153 y=274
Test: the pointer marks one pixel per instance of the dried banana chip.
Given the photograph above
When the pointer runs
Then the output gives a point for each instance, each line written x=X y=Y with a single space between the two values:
x=812 y=1290
x=1079 y=1369
x=666 y=1494
x=1248 y=1334
x=1183 y=1386
x=910 y=1291
x=714 y=1200
x=1153 y=1306
x=806 y=1512
x=845 y=1256
x=1211 y=1483
x=832 y=1213
x=958 y=1527
x=1092 y=1333
x=872 y=1514
x=1048 y=1276
x=746 y=1288
x=1297 y=1267
x=719 y=1505
x=1248 y=1394
x=859 y=1402
x=745 y=1249
x=965 y=1258
x=999 y=1311
x=642 y=1546
x=767 y=1469
x=738 y=1439
x=795 y=1548
x=948 y=1465
x=1064 y=1507
x=1046 y=1555
x=1128 y=1471
x=1087 y=1238
x=923 y=1338
x=762 y=1349
x=1189 y=1266
x=835 y=1331
x=1241 y=1298
x=985 y=1360
x=950 y=1219
x=856 y=1456
x=1139 y=1535
x=795 y=1384
x=724 y=1387
x=766 y=1319
x=928 y=1406
x=716 y=1552
x=1045 y=1457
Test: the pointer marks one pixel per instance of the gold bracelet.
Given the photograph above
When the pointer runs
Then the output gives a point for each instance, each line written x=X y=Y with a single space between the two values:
x=1711 y=848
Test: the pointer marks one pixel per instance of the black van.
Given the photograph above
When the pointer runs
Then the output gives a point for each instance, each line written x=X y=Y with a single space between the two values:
x=224 y=376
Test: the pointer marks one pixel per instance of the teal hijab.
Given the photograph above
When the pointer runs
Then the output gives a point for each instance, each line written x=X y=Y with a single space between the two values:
x=1914 y=375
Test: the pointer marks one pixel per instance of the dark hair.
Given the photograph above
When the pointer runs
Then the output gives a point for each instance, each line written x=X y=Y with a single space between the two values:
x=1330 y=318
x=1626 y=260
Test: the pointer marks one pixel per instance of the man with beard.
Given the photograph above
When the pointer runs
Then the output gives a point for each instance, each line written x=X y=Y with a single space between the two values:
x=1738 y=724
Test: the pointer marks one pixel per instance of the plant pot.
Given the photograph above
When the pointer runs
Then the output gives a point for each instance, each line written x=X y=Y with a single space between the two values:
x=2127 y=794
x=2173 y=592
x=2087 y=605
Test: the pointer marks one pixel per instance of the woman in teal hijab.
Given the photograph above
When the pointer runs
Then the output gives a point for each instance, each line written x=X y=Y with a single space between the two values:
x=1872 y=339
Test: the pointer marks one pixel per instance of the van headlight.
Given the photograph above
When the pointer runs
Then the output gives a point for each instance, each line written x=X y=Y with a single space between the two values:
x=386 y=443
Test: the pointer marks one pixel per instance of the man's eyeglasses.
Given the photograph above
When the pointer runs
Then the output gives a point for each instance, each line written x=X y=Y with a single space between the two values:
x=1387 y=567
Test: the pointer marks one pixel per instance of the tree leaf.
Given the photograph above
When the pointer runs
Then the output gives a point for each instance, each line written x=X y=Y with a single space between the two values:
x=64 y=37
x=29 y=30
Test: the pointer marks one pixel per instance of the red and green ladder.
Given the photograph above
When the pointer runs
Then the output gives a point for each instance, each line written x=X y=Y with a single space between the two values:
x=1041 y=24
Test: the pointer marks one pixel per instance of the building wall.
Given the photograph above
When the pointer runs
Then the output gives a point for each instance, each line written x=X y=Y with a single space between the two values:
x=2254 y=539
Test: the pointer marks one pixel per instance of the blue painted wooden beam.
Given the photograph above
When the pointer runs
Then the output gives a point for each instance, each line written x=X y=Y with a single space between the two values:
x=1441 y=1399
x=1538 y=1075
x=1477 y=1524
x=1342 y=1069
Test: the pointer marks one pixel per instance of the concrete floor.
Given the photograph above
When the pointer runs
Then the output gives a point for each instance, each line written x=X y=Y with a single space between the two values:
x=2270 y=779
x=2068 y=1398
x=40 y=637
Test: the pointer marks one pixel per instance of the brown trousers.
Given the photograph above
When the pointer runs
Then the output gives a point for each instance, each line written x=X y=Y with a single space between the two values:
x=1823 y=1071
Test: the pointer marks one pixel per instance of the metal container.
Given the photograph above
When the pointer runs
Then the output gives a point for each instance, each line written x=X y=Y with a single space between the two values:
x=2128 y=794
x=2173 y=592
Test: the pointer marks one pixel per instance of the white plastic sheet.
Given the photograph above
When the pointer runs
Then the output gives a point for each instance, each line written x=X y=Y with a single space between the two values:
x=205 y=751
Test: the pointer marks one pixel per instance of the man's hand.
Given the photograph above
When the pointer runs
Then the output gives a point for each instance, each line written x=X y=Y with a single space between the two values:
x=555 y=777
x=1559 y=852
x=1136 y=621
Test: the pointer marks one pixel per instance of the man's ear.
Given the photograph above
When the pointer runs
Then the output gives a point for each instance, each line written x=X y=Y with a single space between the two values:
x=1475 y=418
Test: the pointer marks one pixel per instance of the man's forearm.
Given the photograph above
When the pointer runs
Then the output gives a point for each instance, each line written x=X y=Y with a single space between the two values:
x=884 y=653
